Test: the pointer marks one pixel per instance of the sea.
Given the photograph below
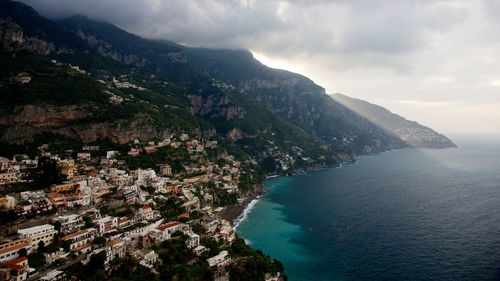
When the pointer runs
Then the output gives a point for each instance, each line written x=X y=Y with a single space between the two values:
x=410 y=214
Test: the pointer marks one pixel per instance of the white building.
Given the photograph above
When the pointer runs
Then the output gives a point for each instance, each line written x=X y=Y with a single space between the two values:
x=164 y=232
x=199 y=250
x=147 y=213
x=111 y=154
x=36 y=234
x=83 y=156
x=10 y=250
x=4 y=164
x=193 y=240
x=107 y=224
x=220 y=261
x=54 y=275
x=115 y=249
x=145 y=175
x=69 y=223
x=15 y=270
x=166 y=170
x=80 y=242
x=147 y=257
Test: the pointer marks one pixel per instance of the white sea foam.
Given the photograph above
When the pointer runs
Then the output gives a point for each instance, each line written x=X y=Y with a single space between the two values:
x=247 y=210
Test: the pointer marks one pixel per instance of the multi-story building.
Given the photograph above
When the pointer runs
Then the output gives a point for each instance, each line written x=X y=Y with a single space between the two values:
x=42 y=233
x=80 y=242
x=84 y=156
x=164 y=232
x=69 y=223
x=15 y=270
x=54 y=275
x=193 y=240
x=147 y=257
x=116 y=249
x=65 y=187
x=220 y=261
x=147 y=213
x=67 y=168
x=10 y=250
x=166 y=170
x=8 y=177
x=107 y=224
x=4 y=164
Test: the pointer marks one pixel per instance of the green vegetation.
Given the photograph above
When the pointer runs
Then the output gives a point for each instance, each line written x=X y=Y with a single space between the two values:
x=251 y=264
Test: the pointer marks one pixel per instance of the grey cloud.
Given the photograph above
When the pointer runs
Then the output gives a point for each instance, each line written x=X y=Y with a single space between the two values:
x=387 y=49
x=379 y=26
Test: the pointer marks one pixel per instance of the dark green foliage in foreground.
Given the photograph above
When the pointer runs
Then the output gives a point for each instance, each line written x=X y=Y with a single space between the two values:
x=128 y=268
x=93 y=271
x=250 y=264
x=179 y=262
x=36 y=260
x=170 y=208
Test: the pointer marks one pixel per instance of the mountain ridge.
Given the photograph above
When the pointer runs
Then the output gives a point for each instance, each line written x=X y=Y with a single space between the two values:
x=412 y=132
x=223 y=93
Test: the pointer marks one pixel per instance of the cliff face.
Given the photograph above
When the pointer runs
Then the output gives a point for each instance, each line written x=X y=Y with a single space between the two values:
x=297 y=99
x=216 y=106
x=11 y=34
x=30 y=120
x=13 y=38
x=43 y=115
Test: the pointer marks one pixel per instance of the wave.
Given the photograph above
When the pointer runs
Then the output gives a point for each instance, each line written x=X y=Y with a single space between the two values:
x=245 y=212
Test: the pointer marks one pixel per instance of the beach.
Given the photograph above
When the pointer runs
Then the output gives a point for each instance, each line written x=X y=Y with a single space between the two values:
x=234 y=213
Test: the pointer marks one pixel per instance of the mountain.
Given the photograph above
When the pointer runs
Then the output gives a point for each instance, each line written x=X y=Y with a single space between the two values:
x=296 y=98
x=411 y=132
x=90 y=81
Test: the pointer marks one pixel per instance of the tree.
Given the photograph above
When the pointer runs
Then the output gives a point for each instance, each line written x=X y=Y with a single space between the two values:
x=66 y=245
x=41 y=247
x=99 y=240
x=96 y=262
x=57 y=225
x=268 y=165
x=88 y=222
x=36 y=260
x=23 y=252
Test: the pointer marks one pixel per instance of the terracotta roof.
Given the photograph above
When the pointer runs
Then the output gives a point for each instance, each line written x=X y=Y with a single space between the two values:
x=123 y=219
x=82 y=247
x=75 y=234
x=13 y=266
x=184 y=215
x=14 y=247
x=17 y=260
x=115 y=241
x=168 y=225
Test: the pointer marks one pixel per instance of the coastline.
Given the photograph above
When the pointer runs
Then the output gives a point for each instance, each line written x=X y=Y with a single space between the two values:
x=236 y=213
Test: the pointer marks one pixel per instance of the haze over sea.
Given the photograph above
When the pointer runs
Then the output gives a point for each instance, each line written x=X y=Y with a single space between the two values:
x=412 y=214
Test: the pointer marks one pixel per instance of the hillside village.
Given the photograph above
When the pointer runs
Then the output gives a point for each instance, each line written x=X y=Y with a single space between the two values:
x=99 y=213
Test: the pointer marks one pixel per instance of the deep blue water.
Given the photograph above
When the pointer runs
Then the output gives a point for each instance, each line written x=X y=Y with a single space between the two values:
x=413 y=214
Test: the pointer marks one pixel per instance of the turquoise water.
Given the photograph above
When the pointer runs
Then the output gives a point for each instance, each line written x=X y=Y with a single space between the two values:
x=413 y=214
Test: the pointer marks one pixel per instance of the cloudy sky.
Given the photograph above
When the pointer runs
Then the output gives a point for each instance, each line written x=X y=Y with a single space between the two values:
x=436 y=62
